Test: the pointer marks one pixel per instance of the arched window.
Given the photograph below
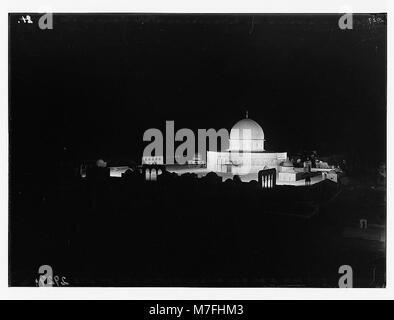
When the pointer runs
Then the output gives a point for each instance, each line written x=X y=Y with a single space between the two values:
x=153 y=174
x=147 y=174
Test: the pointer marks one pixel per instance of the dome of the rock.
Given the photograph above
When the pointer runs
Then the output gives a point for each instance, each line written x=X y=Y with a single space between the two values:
x=247 y=135
x=242 y=128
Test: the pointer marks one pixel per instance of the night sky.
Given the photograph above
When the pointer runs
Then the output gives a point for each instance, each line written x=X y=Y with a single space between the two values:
x=90 y=87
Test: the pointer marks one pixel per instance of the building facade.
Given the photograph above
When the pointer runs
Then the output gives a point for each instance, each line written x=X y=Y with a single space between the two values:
x=246 y=153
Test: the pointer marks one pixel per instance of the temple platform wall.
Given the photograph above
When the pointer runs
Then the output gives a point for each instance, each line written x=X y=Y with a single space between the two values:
x=243 y=162
x=290 y=176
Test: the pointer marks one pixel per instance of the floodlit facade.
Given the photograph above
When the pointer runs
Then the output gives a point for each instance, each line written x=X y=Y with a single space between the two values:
x=246 y=153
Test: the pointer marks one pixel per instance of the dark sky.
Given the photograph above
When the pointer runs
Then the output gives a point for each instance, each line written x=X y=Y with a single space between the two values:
x=90 y=87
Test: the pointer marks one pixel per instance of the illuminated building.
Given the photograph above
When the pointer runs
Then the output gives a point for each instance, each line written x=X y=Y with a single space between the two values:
x=246 y=153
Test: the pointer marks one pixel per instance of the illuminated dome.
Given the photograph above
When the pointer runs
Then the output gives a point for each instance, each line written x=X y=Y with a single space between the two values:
x=256 y=131
x=287 y=163
x=247 y=135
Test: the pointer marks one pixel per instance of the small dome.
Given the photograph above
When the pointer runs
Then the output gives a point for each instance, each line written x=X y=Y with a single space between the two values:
x=101 y=163
x=238 y=133
x=287 y=163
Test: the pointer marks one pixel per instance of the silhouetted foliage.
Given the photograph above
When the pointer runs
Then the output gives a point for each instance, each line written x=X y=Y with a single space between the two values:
x=178 y=230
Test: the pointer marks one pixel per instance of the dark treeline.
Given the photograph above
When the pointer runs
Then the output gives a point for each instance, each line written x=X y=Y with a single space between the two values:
x=178 y=230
